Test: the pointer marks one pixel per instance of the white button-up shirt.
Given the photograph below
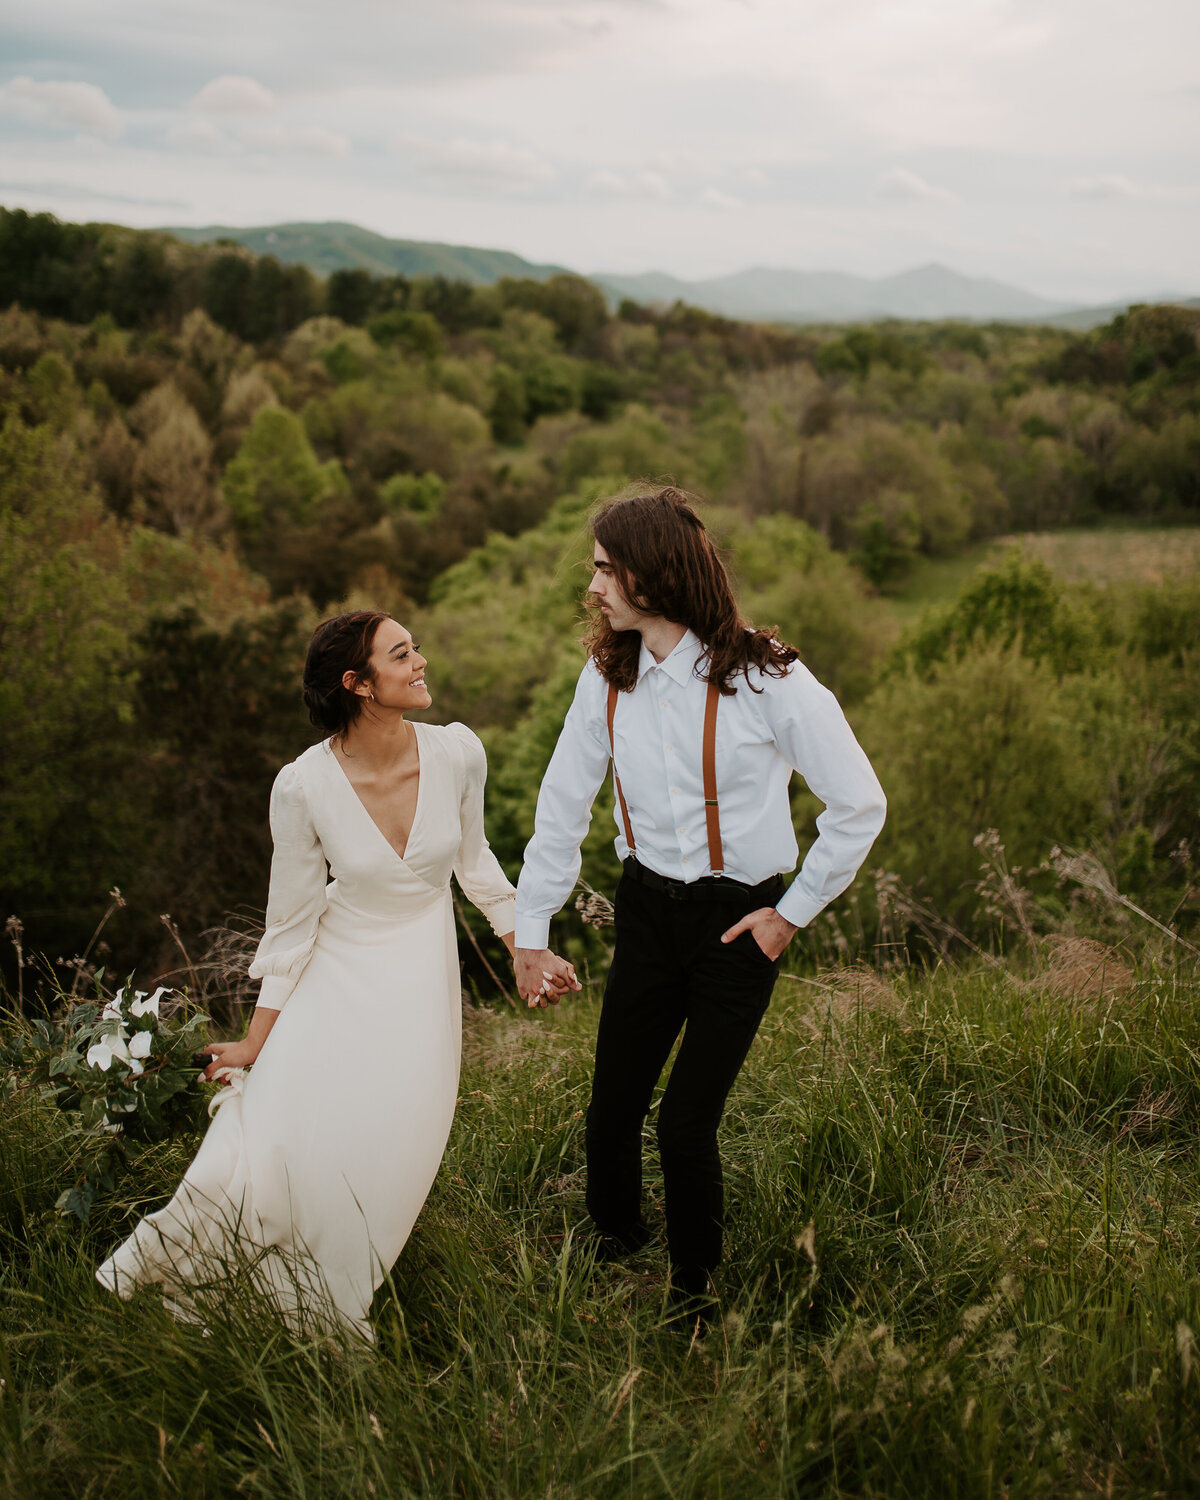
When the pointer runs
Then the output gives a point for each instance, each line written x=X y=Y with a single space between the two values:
x=793 y=724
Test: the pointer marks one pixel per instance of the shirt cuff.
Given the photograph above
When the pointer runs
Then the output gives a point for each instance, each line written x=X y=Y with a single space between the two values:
x=797 y=906
x=275 y=991
x=532 y=932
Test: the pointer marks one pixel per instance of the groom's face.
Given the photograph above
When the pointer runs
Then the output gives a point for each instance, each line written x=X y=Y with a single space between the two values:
x=609 y=595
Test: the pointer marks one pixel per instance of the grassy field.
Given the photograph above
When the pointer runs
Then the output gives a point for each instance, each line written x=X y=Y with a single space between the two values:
x=1102 y=555
x=962 y=1261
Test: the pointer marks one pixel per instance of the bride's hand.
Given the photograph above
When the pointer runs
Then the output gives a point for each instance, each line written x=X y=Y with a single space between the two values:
x=542 y=977
x=228 y=1055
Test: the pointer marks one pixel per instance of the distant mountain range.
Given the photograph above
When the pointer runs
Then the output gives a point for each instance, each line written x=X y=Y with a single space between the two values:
x=341 y=247
x=761 y=294
x=765 y=294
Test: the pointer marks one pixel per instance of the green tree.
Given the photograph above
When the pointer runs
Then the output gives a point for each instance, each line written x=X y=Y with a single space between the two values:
x=350 y=295
x=551 y=385
x=173 y=474
x=507 y=412
x=573 y=304
x=886 y=532
x=1018 y=604
x=276 y=475
x=228 y=279
x=987 y=739
x=66 y=679
x=416 y=332
x=788 y=576
x=221 y=710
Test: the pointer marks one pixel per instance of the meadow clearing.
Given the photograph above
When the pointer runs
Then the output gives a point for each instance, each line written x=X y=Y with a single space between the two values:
x=962 y=1259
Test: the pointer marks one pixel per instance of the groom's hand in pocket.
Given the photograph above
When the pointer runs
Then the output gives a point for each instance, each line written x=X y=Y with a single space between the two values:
x=769 y=930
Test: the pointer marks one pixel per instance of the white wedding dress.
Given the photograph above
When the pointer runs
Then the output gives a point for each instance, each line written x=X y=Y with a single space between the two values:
x=317 y=1162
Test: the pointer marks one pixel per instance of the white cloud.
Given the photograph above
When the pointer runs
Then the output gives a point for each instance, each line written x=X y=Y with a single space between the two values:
x=200 y=135
x=713 y=197
x=308 y=140
x=1107 y=185
x=234 y=94
x=653 y=185
x=1041 y=117
x=899 y=182
x=1115 y=187
x=493 y=164
x=682 y=162
x=608 y=182
x=645 y=184
x=80 y=106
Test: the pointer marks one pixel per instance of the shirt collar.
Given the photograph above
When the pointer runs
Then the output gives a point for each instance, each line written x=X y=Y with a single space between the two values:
x=680 y=666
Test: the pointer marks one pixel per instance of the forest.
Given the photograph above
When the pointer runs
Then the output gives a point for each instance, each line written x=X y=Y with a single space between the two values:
x=203 y=452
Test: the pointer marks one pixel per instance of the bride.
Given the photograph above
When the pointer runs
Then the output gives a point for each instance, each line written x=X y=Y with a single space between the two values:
x=319 y=1159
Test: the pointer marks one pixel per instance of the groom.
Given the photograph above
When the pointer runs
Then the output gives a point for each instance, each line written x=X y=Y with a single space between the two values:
x=704 y=719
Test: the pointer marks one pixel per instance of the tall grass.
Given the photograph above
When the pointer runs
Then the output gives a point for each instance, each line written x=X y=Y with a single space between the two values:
x=996 y=1296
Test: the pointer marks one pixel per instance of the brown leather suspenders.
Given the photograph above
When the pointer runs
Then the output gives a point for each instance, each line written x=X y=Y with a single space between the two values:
x=612 y=713
x=712 y=816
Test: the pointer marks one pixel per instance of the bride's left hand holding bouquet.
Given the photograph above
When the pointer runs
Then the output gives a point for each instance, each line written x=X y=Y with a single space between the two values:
x=123 y=1069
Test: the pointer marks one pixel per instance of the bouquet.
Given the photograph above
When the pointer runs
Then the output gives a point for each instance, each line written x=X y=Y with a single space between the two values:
x=124 y=1070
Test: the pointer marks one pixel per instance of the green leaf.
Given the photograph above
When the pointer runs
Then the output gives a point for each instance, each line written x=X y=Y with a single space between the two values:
x=78 y=1201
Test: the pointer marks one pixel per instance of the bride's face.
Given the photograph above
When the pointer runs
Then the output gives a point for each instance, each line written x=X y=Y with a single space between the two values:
x=399 y=669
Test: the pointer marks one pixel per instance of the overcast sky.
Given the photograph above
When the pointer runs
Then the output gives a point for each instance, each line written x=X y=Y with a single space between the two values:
x=1051 y=143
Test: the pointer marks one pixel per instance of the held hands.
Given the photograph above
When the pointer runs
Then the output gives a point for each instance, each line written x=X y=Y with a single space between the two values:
x=769 y=930
x=542 y=977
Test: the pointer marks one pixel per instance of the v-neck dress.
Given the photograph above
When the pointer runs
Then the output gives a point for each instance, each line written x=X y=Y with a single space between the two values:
x=317 y=1162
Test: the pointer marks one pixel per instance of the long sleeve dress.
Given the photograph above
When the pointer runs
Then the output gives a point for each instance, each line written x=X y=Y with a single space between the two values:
x=316 y=1165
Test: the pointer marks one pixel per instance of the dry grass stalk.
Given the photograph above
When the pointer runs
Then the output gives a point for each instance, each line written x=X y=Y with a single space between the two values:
x=1151 y=1112
x=227 y=954
x=83 y=971
x=1002 y=897
x=902 y=910
x=847 y=995
x=1080 y=968
x=15 y=929
x=496 y=1042
x=1085 y=870
x=595 y=909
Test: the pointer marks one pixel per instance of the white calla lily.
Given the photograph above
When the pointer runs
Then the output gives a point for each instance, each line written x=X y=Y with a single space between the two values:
x=147 y=1005
x=140 y=1045
x=100 y=1054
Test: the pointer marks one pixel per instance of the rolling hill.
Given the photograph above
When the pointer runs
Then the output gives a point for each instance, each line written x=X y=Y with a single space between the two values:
x=764 y=293
x=335 y=247
x=761 y=293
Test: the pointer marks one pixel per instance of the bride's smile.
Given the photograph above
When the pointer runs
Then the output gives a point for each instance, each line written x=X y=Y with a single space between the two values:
x=395 y=676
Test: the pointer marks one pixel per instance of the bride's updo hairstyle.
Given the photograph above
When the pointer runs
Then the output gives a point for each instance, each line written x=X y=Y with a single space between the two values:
x=340 y=645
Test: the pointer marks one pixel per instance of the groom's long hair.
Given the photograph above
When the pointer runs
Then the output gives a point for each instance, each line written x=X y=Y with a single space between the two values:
x=666 y=564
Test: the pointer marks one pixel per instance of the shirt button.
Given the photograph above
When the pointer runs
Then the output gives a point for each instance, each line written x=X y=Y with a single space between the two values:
x=670 y=747
x=685 y=859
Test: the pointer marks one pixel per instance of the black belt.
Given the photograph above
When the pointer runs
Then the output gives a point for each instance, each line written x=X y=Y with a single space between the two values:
x=707 y=888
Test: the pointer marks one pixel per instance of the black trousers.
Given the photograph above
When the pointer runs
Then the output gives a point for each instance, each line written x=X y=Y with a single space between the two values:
x=671 y=972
